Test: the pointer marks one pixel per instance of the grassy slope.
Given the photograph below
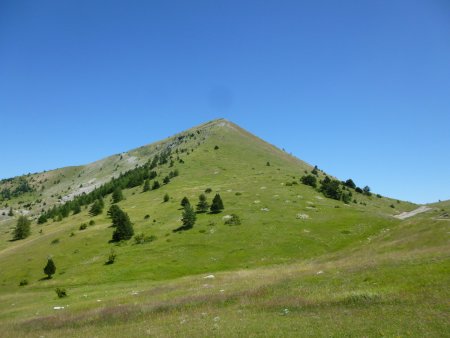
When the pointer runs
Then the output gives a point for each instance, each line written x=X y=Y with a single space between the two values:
x=272 y=258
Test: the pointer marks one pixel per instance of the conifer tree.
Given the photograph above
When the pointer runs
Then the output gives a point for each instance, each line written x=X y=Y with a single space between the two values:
x=22 y=229
x=76 y=208
x=166 y=198
x=117 y=195
x=112 y=211
x=96 y=208
x=156 y=185
x=146 y=186
x=50 y=268
x=188 y=217
x=202 y=205
x=217 y=204
x=184 y=202
x=124 y=228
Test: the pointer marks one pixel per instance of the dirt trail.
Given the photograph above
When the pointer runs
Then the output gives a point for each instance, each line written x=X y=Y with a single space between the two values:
x=408 y=214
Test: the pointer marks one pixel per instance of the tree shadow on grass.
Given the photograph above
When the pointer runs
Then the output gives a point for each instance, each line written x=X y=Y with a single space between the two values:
x=45 y=278
x=182 y=228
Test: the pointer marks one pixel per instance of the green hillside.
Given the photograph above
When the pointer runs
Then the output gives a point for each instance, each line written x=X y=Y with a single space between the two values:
x=299 y=264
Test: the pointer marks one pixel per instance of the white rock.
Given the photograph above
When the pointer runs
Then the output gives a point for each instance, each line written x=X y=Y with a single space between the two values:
x=209 y=277
x=58 y=307
x=302 y=216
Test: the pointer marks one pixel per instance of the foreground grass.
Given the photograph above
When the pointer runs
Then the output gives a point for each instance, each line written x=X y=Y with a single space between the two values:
x=375 y=290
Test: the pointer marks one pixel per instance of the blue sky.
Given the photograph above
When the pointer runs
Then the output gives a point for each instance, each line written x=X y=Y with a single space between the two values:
x=359 y=88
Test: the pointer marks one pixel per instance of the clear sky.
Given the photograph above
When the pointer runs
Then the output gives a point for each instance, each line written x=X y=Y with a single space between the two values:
x=359 y=88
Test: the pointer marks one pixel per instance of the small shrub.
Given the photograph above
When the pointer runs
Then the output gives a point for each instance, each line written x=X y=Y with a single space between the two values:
x=83 y=226
x=111 y=258
x=238 y=193
x=216 y=147
x=166 y=198
x=55 y=241
x=233 y=220
x=23 y=282
x=392 y=206
x=91 y=222
x=72 y=234
x=147 y=216
x=202 y=231
x=142 y=239
x=61 y=292
x=379 y=196
x=208 y=190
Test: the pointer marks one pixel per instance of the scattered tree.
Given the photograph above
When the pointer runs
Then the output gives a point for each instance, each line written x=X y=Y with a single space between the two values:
x=188 y=217
x=76 y=209
x=202 y=205
x=366 y=191
x=50 y=268
x=96 y=208
x=349 y=183
x=309 y=180
x=184 y=202
x=146 y=186
x=10 y=212
x=166 y=180
x=331 y=188
x=113 y=209
x=156 y=185
x=347 y=197
x=217 y=204
x=124 y=228
x=166 y=197
x=22 y=229
x=117 y=195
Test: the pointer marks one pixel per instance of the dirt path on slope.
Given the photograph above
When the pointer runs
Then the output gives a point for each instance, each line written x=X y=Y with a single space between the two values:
x=408 y=214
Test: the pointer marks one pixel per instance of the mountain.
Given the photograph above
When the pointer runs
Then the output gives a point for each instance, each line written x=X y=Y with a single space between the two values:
x=299 y=262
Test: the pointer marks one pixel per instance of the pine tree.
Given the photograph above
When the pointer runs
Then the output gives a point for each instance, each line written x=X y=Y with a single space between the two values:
x=76 y=208
x=202 y=205
x=217 y=204
x=50 y=268
x=112 y=211
x=185 y=202
x=156 y=185
x=124 y=228
x=96 y=208
x=188 y=217
x=146 y=186
x=22 y=229
x=117 y=195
